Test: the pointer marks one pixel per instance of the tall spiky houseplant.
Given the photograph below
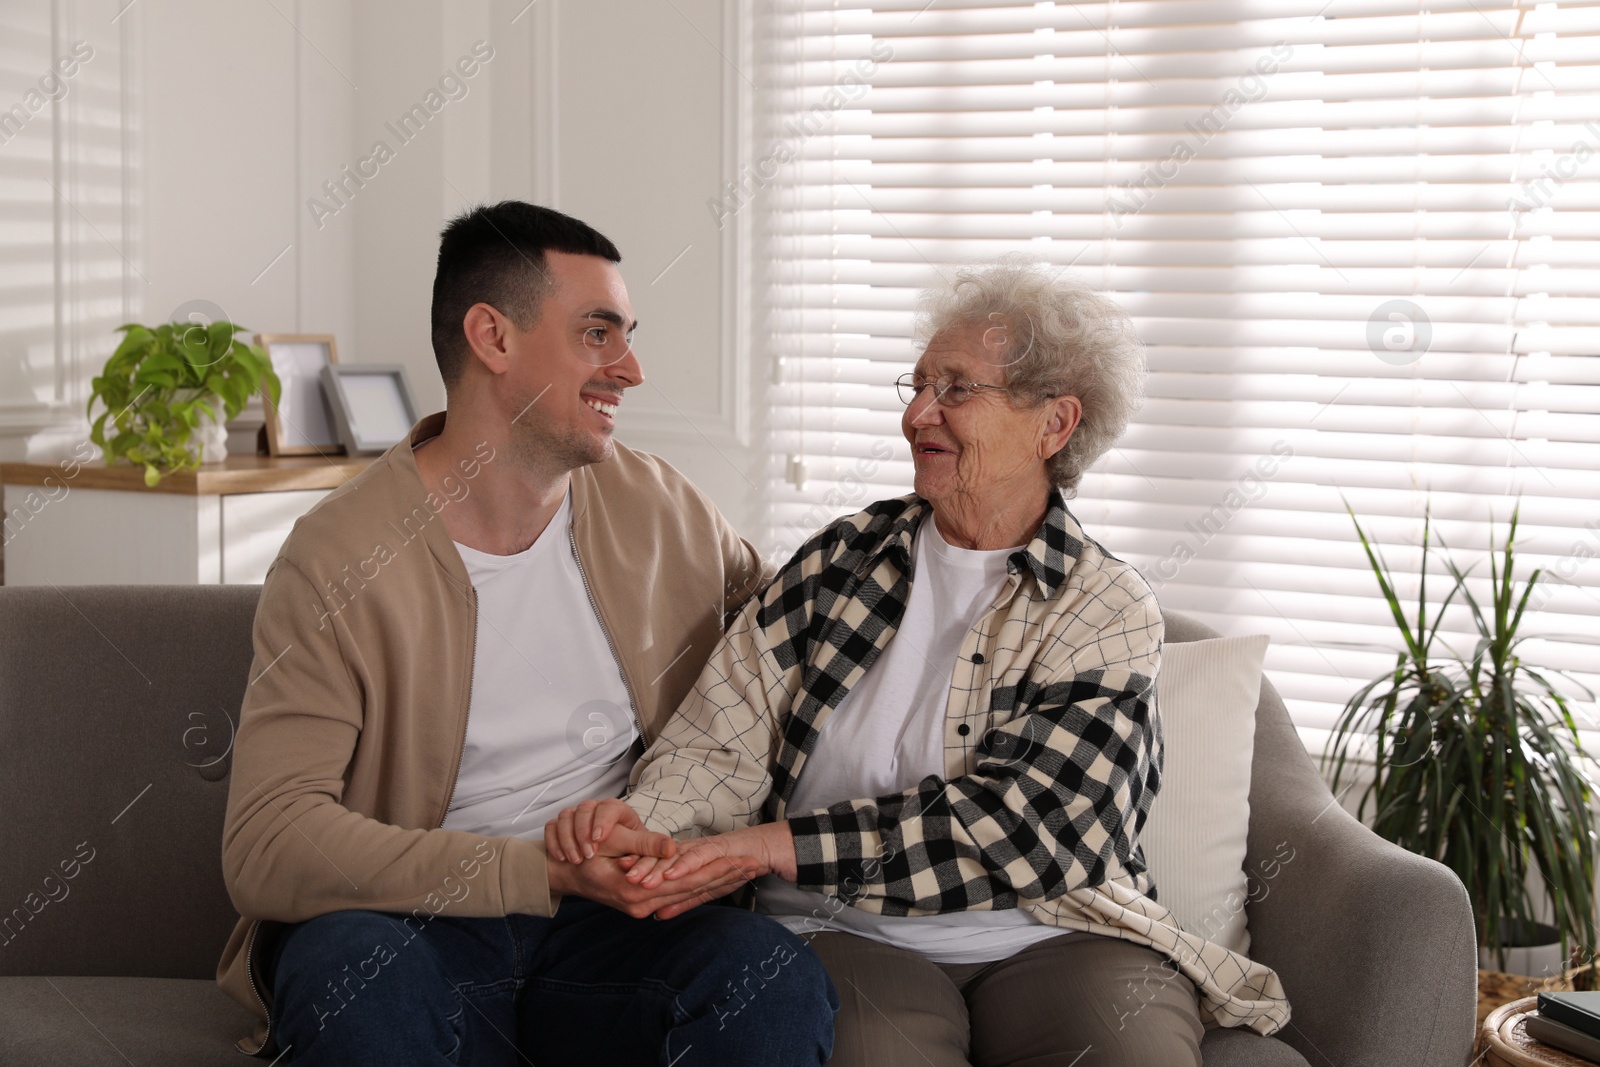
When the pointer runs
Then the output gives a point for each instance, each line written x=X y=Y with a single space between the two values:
x=1477 y=758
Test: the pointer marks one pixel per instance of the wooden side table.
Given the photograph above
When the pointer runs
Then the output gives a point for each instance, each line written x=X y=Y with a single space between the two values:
x=1503 y=1041
x=87 y=523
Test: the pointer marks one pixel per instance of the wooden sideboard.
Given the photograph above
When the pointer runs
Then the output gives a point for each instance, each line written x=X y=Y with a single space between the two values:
x=74 y=523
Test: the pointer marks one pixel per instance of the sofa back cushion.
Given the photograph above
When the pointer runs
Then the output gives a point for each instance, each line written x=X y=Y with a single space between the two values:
x=117 y=711
x=118 y=706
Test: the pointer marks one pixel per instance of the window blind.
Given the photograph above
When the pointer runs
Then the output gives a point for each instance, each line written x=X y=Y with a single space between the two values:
x=1359 y=239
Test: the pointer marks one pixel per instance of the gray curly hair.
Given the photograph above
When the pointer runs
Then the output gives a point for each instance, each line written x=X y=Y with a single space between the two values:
x=1060 y=338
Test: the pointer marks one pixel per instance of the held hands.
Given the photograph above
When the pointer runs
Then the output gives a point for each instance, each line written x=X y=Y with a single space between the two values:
x=589 y=848
x=764 y=849
x=602 y=850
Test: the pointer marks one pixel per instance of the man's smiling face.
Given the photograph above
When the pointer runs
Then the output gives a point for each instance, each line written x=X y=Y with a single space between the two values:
x=568 y=371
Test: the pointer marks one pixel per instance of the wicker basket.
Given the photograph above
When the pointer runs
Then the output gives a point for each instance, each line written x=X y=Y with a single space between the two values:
x=1504 y=1042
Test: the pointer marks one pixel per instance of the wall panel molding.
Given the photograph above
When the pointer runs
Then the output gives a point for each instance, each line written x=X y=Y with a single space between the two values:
x=724 y=423
x=546 y=15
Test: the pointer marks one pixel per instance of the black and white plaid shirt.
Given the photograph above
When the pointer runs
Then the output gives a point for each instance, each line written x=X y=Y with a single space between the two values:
x=1052 y=744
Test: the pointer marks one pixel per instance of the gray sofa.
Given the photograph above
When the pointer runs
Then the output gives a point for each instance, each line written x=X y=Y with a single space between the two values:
x=117 y=705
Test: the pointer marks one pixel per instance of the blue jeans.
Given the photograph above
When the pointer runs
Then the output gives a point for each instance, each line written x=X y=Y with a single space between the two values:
x=716 y=986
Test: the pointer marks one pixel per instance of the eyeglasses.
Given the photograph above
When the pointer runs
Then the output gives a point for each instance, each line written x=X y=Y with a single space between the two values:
x=949 y=390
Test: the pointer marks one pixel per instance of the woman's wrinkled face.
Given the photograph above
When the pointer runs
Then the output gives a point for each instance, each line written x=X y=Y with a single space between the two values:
x=987 y=444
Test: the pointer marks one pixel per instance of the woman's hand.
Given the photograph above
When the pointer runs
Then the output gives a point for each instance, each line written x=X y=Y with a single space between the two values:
x=603 y=828
x=754 y=850
x=603 y=880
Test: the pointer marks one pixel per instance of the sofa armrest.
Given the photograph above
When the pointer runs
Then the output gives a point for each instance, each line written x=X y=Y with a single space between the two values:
x=1375 y=945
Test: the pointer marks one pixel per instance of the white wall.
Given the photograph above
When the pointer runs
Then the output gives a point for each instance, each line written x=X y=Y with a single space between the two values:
x=232 y=135
x=619 y=112
x=645 y=100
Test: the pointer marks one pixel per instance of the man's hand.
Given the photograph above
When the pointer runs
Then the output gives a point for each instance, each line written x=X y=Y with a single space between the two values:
x=604 y=880
x=603 y=828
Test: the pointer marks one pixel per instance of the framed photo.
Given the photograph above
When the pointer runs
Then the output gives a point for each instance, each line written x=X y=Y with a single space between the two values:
x=372 y=404
x=302 y=422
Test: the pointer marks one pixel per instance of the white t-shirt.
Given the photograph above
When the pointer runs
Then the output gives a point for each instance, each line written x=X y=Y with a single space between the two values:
x=549 y=723
x=887 y=735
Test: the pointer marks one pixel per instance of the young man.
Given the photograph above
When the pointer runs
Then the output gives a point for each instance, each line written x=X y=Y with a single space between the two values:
x=485 y=626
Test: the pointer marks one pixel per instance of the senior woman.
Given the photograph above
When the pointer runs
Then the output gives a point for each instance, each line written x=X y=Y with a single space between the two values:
x=933 y=740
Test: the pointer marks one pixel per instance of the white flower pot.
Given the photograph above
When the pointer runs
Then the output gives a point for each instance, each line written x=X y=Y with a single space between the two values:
x=213 y=439
x=209 y=439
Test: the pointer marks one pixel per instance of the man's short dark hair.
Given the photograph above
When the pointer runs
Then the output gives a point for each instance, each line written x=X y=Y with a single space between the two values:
x=495 y=255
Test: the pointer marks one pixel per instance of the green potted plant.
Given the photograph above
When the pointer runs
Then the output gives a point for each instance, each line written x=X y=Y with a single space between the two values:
x=168 y=392
x=1477 y=761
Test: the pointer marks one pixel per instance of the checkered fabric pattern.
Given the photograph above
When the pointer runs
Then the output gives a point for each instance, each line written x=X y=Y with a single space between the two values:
x=1052 y=745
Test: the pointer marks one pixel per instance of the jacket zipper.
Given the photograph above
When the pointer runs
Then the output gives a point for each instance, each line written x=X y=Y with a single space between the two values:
x=250 y=972
x=472 y=682
x=633 y=706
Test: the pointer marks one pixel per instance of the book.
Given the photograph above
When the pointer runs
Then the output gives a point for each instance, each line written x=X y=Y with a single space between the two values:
x=1581 y=1011
x=1563 y=1037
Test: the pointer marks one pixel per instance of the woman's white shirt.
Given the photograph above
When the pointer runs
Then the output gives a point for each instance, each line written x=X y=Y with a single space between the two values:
x=887 y=735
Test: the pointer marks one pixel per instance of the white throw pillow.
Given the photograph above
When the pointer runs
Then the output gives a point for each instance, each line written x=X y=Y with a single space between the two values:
x=1194 y=839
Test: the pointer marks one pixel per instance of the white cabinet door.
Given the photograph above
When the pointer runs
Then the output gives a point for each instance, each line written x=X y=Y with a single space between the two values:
x=113 y=537
x=110 y=537
x=254 y=526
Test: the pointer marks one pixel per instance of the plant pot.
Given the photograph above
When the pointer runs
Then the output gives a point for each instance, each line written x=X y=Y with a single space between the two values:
x=209 y=439
x=1535 y=952
x=213 y=440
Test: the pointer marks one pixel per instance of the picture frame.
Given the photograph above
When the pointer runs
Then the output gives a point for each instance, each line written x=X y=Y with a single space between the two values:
x=302 y=422
x=373 y=406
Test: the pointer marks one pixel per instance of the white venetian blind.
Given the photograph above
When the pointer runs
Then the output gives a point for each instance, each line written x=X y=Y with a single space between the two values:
x=68 y=178
x=1361 y=240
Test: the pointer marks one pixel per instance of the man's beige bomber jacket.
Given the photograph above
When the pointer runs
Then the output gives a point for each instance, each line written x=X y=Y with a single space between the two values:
x=351 y=732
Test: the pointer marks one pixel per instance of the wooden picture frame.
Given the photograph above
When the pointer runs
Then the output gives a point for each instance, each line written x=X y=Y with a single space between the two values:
x=303 y=423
